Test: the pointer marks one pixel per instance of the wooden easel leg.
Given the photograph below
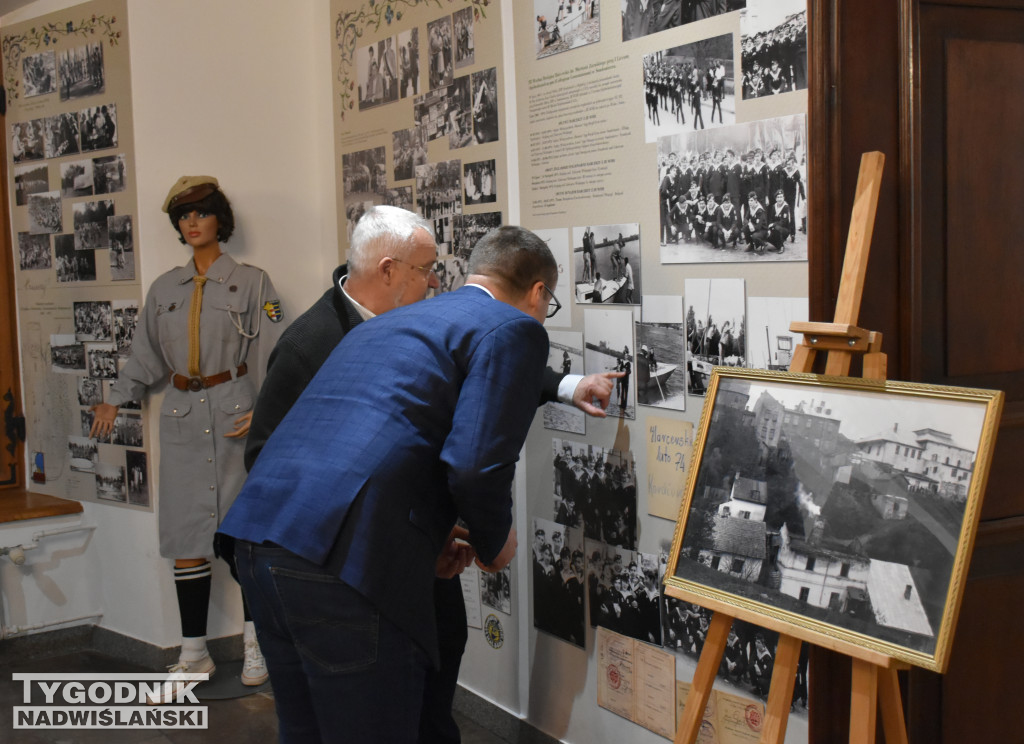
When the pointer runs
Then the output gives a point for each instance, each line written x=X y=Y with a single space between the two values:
x=863 y=702
x=703 y=678
x=893 y=723
x=803 y=359
x=780 y=695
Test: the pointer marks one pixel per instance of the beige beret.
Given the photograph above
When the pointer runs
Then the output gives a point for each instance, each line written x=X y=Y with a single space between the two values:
x=188 y=189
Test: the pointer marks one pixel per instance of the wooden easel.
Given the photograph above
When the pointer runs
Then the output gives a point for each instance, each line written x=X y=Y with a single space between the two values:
x=874 y=677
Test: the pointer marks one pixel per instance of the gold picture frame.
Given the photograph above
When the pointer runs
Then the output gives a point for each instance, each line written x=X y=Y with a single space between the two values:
x=840 y=511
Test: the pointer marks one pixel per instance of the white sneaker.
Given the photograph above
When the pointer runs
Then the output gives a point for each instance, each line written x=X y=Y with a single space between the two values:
x=179 y=676
x=254 y=666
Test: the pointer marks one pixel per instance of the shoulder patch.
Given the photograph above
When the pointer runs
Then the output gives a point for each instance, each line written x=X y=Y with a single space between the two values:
x=273 y=310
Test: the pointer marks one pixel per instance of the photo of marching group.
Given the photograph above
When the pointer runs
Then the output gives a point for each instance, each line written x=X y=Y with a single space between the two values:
x=34 y=252
x=624 y=590
x=640 y=17
x=734 y=194
x=688 y=86
x=565 y=355
x=439 y=189
x=73 y=265
x=558 y=581
x=595 y=488
x=566 y=24
x=607 y=263
x=715 y=329
x=774 y=41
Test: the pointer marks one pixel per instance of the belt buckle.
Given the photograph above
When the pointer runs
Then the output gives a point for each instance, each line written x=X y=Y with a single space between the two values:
x=195 y=384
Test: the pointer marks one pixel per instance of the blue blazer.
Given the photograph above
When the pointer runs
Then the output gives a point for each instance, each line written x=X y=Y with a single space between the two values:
x=417 y=417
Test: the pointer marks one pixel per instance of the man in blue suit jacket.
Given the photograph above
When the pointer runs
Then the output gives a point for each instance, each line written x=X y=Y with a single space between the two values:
x=417 y=417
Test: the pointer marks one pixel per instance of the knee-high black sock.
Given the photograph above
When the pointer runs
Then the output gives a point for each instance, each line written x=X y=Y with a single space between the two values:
x=193 y=588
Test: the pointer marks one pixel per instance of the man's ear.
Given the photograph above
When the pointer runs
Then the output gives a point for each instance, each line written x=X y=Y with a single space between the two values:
x=386 y=269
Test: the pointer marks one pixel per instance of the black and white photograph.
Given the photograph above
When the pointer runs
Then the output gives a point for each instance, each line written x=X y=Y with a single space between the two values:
x=61 y=135
x=377 y=67
x=76 y=178
x=409 y=149
x=39 y=73
x=839 y=501
x=409 y=63
x=109 y=174
x=625 y=591
x=496 y=589
x=84 y=454
x=595 y=486
x=430 y=113
x=442 y=227
x=94 y=321
x=558 y=581
x=364 y=175
x=73 y=265
x=465 y=44
x=137 y=472
x=735 y=193
x=399 y=196
x=90 y=222
x=67 y=354
x=689 y=87
x=30 y=179
x=439 y=52
x=458 y=122
x=479 y=183
x=45 y=213
x=353 y=211
x=607 y=263
x=565 y=355
x=661 y=353
x=439 y=189
x=81 y=71
x=126 y=319
x=485 y=105
x=469 y=228
x=101 y=359
x=640 y=18
x=110 y=484
x=127 y=430
x=90 y=391
x=27 y=141
x=451 y=274
x=122 y=247
x=774 y=47
x=98 y=127
x=34 y=252
x=566 y=24
x=715 y=329
x=769 y=342
x=608 y=336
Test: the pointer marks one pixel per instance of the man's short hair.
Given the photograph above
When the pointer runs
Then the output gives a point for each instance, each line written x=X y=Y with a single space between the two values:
x=382 y=231
x=515 y=257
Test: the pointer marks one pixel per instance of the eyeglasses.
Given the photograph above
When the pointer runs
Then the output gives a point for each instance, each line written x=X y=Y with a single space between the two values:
x=427 y=271
x=554 y=305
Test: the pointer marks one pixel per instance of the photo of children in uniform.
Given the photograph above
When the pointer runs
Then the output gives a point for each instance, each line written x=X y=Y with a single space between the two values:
x=624 y=588
x=409 y=149
x=770 y=343
x=607 y=263
x=479 y=183
x=61 y=135
x=734 y=193
x=566 y=24
x=76 y=178
x=67 y=354
x=84 y=454
x=45 y=213
x=30 y=179
x=39 y=74
x=565 y=355
x=773 y=35
x=98 y=127
x=101 y=360
x=609 y=340
x=137 y=472
x=409 y=63
x=715 y=329
x=122 y=247
x=439 y=52
x=439 y=189
x=377 y=68
x=90 y=391
x=661 y=351
x=90 y=222
x=469 y=228
x=33 y=252
x=465 y=46
x=595 y=488
x=110 y=484
x=689 y=87
x=27 y=140
x=73 y=265
x=496 y=589
x=363 y=175
x=643 y=17
x=558 y=581
x=109 y=174
x=485 y=105
x=126 y=318
x=94 y=321
x=81 y=71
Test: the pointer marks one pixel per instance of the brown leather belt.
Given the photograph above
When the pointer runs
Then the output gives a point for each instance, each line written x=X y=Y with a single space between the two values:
x=195 y=384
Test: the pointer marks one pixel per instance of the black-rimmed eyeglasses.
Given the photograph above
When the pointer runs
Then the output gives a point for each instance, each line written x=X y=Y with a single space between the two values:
x=553 y=305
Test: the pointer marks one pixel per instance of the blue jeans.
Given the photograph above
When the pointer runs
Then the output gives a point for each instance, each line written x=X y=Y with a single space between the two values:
x=341 y=672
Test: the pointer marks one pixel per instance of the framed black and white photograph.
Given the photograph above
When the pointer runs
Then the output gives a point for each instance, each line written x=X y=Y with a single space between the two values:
x=496 y=589
x=90 y=391
x=735 y=193
x=479 y=183
x=465 y=45
x=97 y=126
x=409 y=63
x=661 y=352
x=94 y=321
x=565 y=355
x=90 y=224
x=126 y=319
x=30 y=179
x=122 y=246
x=774 y=47
x=127 y=430
x=689 y=87
x=84 y=454
x=770 y=343
x=39 y=73
x=137 y=472
x=364 y=175
x=469 y=228
x=110 y=485
x=836 y=507
x=485 y=105
x=61 y=136
x=27 y=141
x=67 y=354
x=73 y=265
x=625 y=591
x=608 y=336
x=34 y=252
x=715 y=329
x=558 y=581
x=439 y=189
x=641 y=18
x=595 y=486
x=439 y=52
x=76 y=178
x=81 y=71
x=409 y=149
x=101 y=359
x=109 y=174
x=45 y=213
x=566 y=24
x=607 y=263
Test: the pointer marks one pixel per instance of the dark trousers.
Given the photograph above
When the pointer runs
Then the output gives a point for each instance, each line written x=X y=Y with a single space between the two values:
x=436 y=723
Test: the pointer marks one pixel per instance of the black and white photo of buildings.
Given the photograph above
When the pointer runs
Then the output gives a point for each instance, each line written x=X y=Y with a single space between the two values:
x=30 y=179
x=61 y=135
x=624 y=588
x=45 y=213
x=774 y=47
x=595 y=487
x=73 y=265
x=660 y=354
x=566 y=24
x=558 y=581
x=81 y=71
x=76 y=178
x=34 y=252
x=90 y=221
x=608 y=336
x=137 y=473
x=715 y=329
x=565 y=355
x=39 y=72
x=67 y=354
x=607 y=263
